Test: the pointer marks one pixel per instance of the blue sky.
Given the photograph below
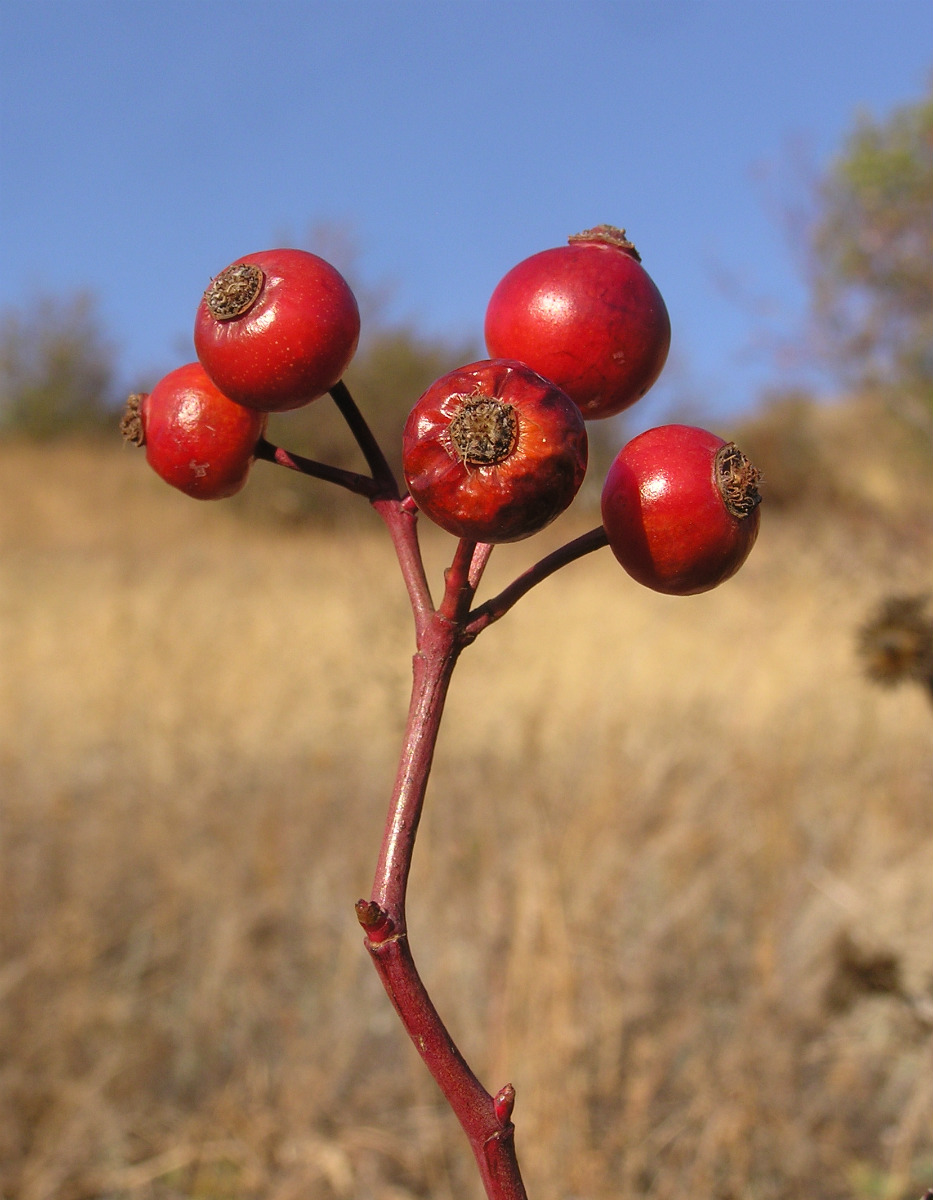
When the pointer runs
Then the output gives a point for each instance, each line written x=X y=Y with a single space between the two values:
x=144 y=145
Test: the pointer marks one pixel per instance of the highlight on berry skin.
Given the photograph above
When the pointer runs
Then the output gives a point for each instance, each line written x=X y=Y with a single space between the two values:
x=196 y=438
x=680 y=508
x=587 y=316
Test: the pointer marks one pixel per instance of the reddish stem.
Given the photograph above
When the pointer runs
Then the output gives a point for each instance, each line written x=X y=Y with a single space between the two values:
x=372 y=451
x=458 y=591
x=401 y=519
x=441 y=635
x=478 y=565
x=499 y=605
x=363 y=485
x=485 y=1119
x=432 y=666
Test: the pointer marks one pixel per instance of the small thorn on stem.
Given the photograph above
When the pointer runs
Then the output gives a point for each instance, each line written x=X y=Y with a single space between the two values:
x=503 y=1103
x=375 y=921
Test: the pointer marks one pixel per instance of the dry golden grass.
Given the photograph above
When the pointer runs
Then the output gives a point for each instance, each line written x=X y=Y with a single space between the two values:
x=674 y=881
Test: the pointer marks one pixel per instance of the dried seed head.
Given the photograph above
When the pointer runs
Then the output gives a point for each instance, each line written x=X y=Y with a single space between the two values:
x=737 y=480
x=859 y=971
x=897 y=643
x=484 y=430
x=131 y=423
x=234 y=291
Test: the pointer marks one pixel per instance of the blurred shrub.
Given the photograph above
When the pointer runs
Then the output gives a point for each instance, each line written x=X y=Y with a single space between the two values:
x=873 y=256
x=896 y=643
x=849 y=457
x=782 y=442
x=56 y=368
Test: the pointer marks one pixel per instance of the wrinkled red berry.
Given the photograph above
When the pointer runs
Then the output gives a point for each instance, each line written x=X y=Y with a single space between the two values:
x=277 y=329
x=680 y=509
x=196 y=438
x=492 y=452
x=586 y=316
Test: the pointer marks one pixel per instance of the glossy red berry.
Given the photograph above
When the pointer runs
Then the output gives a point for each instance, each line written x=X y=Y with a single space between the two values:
x=196 y=438
x=680 y=509
x=493 y=452
x=276 y=330
x=587 y=316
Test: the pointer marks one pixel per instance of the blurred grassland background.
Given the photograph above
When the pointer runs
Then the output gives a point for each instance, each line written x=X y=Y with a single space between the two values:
x=673 y=881
x=670 y=846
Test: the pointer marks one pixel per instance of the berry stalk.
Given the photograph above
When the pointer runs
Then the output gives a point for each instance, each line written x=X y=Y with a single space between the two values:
x=442 y=634
x=362 y=485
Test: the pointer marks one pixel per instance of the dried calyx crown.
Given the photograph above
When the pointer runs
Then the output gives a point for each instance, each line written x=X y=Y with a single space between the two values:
x=609 y=235
x=131 y=423
x=234 y=291
x=737 y=480
x=483 y=430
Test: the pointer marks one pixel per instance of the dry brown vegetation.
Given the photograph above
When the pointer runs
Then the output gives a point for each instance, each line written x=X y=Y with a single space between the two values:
x=674 y=881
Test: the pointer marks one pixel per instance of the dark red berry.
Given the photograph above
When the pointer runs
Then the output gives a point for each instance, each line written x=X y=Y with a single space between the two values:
x=493 y=452
x=680 y=509
x=587 y=316
x=196 y=438
x=276 y=330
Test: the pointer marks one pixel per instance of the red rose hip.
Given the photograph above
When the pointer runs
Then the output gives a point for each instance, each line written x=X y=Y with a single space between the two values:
x=680 y=509
x=277 y=329
x=493 y=452
x=587 y=316
x=196 y=438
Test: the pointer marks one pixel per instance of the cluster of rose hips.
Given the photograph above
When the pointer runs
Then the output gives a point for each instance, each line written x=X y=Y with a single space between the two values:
x=494 y=451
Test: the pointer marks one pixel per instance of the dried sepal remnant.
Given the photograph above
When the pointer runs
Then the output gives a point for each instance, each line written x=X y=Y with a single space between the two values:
x=484 y=431
x=131 y=423
x=610 y=235
x=738 y=481
x=896 y=644
x=234 y=291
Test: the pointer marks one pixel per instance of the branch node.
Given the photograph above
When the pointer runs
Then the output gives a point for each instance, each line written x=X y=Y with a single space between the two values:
x=504 y=1102
x=375 y=921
